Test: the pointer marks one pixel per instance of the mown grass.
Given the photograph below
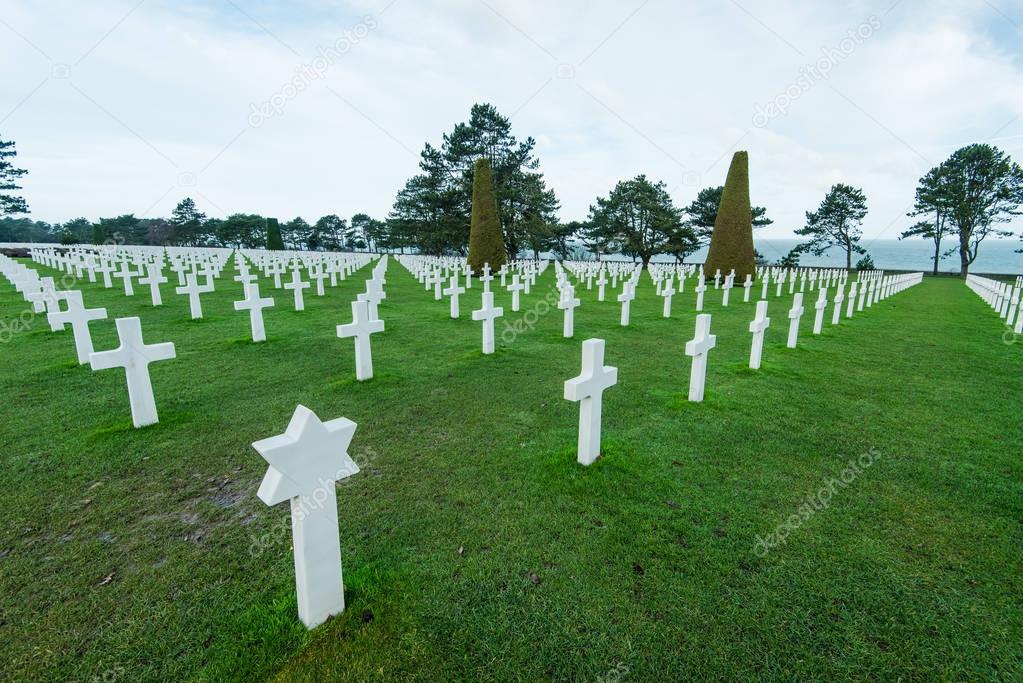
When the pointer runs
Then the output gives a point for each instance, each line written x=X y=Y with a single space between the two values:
x=474 y=546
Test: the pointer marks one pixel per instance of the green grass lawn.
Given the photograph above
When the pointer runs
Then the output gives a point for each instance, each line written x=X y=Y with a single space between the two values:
x=474 y=546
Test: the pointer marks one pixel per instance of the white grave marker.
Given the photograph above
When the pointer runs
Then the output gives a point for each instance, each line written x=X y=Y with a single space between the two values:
x=305 y=461
x=588 y=389
x=254 y=305
x=488 y=314
x=361 y=328
x=698 y=348
x=135 y=356
x=760 y=323
x=795 y=313
x=78 y=316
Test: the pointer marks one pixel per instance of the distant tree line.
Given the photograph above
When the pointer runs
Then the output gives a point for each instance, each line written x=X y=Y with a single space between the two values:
x=187 y=226
x=967 y=198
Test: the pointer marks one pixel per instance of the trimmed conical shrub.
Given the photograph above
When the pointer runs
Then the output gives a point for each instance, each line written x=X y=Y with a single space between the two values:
x=274 y=241
x=731 y=243
x=486 y=242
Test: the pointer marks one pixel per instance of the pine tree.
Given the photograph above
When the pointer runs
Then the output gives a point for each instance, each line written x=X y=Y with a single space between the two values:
x=10 y=204
x=731 y=243
x=486 y=242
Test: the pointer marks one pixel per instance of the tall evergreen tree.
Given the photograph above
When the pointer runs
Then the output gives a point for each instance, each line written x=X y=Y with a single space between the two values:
x=982 y=188
x=703 y=212
x=332 y=232
x=931 y=201
x=731 y=243
x=10 y=203
x=433 y=209
x=486 y=243
x=188 y=222
x=296 y=233
x=836 y=223
x=374 y=233
x=637 y=216
x=274 y=241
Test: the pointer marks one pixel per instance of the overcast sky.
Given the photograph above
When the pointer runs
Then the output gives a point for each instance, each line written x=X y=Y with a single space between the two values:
x=312 y=107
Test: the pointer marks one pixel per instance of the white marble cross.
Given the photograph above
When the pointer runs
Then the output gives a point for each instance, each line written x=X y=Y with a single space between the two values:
x=135 y=356
x=361 y=327
x=601 y=281
x=254 y=305
x=568 y=304
x=515 y=287
x=126 y=274
x=759 y=325
x=243 y=276
x=78 y=316
x=701 y=287
x=820 y=307
x=836 y=314
x=437 y=280
x=852 y=301
x=305 y=461
x=727 y=288
x=795 y=313
x=193 y=289
x=453 y=290
x=588 y=389
x=487 y=314
x=297 y=284
x=625 y=298
x=667 y=292
x=698 y=348
x=373 y=295
x=746 y=286
x=154 y=278
x=486 y=277
x=319 y=274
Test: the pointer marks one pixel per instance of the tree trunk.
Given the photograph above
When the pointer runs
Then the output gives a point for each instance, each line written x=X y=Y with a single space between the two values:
x=646 y=260
x=848 y=258
x=937 y=255
x=964 y=257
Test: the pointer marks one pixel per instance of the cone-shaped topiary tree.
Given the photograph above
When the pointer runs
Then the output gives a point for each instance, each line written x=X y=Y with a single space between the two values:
x=486 y=242
x=274 y=241
x=731 y=243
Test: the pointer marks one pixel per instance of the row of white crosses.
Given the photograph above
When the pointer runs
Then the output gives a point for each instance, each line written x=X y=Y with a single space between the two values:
x=704 y=341
x=133 y=354
x=432 y=272
x=196 y=269
x=1002 y=297
x=595 y=378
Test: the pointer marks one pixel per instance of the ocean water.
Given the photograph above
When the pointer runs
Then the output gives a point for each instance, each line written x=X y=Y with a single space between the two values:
x=996 y=256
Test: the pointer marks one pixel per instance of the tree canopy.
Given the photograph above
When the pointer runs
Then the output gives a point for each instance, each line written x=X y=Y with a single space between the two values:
x=981 y=188
x=836 y=223
x=638 y=217
x=432 y=212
